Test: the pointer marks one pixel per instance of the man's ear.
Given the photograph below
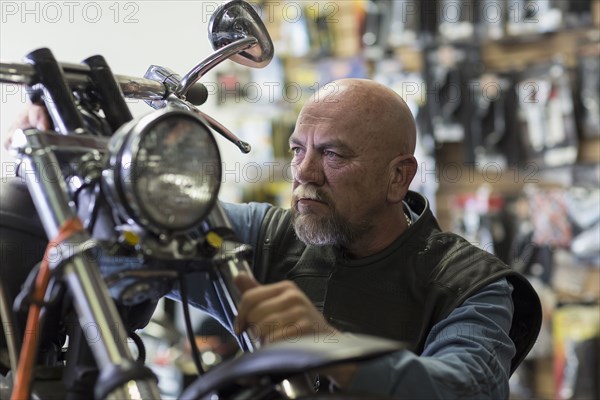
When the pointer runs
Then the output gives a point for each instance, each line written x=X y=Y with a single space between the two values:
x=403 y=170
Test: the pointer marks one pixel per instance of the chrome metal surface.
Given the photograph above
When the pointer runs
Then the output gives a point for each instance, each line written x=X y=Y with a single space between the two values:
x=230 y=266
x=134 y=390
x=76 y=76
x=98 y=315
x=237 y=19
x=20 y=74
x=95 y=309
x=226 y=273
x=49 y=194
x=296 y=387
x=54 y=141
x=164 y=75
x=41 y=171
x=125 y=173
x=224 y=53
x=140 y=88
x=223 y=131
x=174 y=101
x=6 y=385
x=238 y=34
x=8 y=323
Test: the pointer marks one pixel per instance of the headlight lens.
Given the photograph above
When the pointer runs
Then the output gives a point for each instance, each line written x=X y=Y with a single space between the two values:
x=167 y=170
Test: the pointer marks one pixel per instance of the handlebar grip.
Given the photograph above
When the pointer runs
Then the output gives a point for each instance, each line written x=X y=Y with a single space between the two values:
x=197 y=95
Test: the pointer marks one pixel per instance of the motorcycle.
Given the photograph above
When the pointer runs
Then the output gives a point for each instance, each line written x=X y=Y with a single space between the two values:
x=109 y=213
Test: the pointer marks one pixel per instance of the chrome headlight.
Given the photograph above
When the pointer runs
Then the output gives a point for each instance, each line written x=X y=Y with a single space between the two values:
x=165 y=170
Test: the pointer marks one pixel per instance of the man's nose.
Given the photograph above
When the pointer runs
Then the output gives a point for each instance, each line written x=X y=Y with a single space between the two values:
x=309 y=170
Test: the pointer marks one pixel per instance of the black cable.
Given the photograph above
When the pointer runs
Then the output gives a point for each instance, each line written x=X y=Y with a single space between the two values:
x=188 y=325
x=93 y=205
x=140 y=346
x=98 y=200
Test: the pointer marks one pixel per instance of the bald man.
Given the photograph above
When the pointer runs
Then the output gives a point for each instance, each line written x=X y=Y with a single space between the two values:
x=358 y=252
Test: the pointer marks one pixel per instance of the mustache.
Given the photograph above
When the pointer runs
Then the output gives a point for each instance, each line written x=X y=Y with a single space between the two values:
x=310 y=192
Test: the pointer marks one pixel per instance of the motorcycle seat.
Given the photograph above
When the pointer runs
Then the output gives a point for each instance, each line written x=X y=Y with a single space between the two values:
x=289 y=358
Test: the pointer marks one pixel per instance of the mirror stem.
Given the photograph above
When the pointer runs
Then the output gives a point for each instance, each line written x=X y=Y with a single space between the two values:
x=213 y=60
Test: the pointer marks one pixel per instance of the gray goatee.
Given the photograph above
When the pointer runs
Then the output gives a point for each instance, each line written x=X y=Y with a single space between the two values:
x=323 y=230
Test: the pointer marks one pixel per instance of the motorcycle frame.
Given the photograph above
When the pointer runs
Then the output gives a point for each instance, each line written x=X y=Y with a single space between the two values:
x=121 y=377
x=51 y=199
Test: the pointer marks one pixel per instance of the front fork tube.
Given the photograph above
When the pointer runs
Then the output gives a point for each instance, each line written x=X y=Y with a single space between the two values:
x=94 y=307
x=229 y=296
x=230 y=261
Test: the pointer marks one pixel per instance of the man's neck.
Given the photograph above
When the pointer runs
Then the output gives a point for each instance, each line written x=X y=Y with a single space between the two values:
x=380 y=237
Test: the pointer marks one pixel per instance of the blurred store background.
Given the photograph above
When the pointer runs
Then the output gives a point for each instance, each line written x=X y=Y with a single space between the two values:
x=506 y=94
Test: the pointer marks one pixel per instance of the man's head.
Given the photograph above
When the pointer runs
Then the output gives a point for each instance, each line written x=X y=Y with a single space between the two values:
x=352 y=161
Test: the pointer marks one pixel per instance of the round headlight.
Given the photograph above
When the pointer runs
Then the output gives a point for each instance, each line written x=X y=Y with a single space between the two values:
x=166 y=170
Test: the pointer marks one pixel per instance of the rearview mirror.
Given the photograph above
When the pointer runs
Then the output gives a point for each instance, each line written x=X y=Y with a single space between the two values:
x=237 y=20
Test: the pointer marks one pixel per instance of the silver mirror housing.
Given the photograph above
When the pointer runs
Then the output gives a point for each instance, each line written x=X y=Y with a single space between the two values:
x=236 y=20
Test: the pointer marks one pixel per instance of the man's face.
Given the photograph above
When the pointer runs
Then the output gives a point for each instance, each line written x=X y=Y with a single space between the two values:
x=339 y=177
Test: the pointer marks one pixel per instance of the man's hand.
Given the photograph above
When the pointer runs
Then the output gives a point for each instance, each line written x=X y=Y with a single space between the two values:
x=279 y=311
x=33 y=116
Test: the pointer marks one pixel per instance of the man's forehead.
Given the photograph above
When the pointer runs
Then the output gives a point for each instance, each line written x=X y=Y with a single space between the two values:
x=309 y=119
x=323 y=135
x=320 y=127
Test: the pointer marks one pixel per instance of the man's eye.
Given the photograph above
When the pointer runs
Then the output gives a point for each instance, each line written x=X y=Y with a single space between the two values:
x=330 y=154
x=295 y=150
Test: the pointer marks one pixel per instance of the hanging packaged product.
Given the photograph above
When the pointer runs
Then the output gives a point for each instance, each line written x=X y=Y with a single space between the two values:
x=588 y=95
x=448 y=73
x=546 y=115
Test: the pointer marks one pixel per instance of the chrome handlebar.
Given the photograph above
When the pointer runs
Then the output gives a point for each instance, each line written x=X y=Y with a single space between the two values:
x=77 y=77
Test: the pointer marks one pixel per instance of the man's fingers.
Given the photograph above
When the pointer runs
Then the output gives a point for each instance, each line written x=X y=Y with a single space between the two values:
x=7 y=142
x=33 y=116
x=284 y=303
x=38 y=118
x=254 y=295
x=244 y=282
x=21 y=122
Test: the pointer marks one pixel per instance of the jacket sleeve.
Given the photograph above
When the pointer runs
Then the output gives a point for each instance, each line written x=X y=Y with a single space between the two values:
x=466 y=356
x=246 y=220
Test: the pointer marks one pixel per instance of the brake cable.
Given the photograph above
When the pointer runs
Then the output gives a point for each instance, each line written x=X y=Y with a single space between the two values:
x=188 y=326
